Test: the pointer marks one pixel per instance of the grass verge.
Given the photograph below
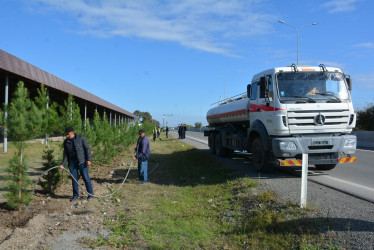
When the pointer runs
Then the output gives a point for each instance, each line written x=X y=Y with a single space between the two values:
x=194 y=201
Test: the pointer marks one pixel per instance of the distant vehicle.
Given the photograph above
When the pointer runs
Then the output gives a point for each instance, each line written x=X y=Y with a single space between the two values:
x=287 y=112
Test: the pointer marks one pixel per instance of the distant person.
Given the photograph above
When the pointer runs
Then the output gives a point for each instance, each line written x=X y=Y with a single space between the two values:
x=78 y=154
x=142 y=154
x=167 y=132
x=180 y=131
x=154 y=134
x=183 y=131
x=158 y=133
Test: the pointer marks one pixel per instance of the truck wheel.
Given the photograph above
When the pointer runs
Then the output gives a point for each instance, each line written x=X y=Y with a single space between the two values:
x=220 y=151
x=261 y=159
x=212 y=143
x=325 y=166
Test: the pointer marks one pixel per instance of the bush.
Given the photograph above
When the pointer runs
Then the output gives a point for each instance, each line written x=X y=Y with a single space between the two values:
x=365 y=118
x=53 y=178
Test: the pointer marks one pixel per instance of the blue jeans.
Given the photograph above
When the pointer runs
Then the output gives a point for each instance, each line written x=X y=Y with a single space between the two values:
x=83 y=171
x=167 y=133
x=143 y=170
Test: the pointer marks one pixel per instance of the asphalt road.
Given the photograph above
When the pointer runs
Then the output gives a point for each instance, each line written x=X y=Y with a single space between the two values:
x=356 y=179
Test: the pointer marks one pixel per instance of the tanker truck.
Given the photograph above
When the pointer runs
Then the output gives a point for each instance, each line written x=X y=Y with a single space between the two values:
x=287 y=112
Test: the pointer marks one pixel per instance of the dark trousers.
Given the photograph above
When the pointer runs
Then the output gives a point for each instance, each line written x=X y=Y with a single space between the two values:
x=75 y=170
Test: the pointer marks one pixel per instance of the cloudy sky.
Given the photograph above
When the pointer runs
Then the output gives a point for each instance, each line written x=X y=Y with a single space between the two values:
x=178 y=57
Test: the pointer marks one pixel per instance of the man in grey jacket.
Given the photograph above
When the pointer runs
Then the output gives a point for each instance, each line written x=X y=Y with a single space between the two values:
x=78 y=154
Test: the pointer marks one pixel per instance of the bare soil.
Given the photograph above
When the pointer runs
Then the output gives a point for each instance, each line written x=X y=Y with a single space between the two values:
x=55 y=222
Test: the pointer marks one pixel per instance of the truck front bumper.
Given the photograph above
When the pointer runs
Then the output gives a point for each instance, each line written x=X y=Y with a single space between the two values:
x=321 y=149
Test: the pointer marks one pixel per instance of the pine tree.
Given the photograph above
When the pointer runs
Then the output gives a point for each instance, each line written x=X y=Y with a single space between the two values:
x=53 y=178
x=50 y=119
x=89 y=133
x=70 y=115
x=49 y=125
x=23 y=123
x=107 y=140
x=97 y=145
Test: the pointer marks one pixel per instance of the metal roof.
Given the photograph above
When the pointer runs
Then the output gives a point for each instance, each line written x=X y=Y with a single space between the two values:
x=24 y=69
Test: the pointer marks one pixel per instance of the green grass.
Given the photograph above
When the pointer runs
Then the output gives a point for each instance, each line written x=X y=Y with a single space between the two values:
x=34 y=152
x=194 y=201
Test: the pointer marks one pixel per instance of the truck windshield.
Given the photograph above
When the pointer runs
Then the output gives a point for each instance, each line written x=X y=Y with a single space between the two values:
x=312 y=86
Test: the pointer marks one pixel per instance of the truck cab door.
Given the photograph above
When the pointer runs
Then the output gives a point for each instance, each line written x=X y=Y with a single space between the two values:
x=262 y=102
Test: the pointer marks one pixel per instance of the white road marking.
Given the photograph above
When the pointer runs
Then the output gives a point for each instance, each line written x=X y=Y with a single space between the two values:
x=348 y=183
x=198 y=140
x=366 y=150
x=195 y=139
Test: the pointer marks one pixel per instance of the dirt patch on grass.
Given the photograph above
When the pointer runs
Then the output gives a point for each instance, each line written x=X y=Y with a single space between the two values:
x=55 y=222
x=12 y=219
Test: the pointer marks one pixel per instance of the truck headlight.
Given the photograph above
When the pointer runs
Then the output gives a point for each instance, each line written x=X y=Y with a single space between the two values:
x=287 y=145
x=350 y=143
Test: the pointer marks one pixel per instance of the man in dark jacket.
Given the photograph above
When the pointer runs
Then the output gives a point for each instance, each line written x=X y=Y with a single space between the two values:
x=143 y=152
x=184 y=129
x=180 y=131
x=78 y=154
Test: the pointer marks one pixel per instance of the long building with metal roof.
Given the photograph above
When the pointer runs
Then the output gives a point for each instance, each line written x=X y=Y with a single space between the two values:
x=18 y=69
x=14 y=69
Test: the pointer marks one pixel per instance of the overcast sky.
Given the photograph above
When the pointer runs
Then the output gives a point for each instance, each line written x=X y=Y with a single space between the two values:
x=178 y=57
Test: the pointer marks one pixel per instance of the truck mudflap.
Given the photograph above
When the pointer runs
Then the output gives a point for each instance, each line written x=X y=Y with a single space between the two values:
x=295 y=162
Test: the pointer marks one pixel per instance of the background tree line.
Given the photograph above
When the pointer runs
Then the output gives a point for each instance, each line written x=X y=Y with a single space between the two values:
x=145 y=117
x=365 y=118
x=28 y=119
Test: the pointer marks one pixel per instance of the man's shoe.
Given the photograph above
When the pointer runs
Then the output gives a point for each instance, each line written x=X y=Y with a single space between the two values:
x=73 y=198
x=90 y=197
x=143 y=182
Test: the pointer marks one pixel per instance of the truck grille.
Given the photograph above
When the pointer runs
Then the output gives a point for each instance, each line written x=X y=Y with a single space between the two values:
x=324 y=119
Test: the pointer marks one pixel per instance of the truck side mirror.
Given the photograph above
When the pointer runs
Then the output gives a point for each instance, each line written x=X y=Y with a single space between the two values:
x=349 y=83
x=249 y=90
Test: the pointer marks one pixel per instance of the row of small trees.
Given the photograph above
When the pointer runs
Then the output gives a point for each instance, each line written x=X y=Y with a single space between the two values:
x=27 y=119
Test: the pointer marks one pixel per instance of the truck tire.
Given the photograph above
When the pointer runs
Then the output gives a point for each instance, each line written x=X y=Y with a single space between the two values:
x=261 y=159
x=325 y=166
x=220 y=151
x=212 y=143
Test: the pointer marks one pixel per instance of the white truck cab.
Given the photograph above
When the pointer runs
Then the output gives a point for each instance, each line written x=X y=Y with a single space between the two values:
x=305 y=110
x=290 y=111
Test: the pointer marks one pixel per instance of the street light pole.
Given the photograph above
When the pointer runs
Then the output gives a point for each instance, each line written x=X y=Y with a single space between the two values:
x=298 y=34
x=163 y=119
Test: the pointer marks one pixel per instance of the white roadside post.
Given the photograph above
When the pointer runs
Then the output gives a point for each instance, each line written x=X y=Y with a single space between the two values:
x=6 y=113
x=304 y=180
